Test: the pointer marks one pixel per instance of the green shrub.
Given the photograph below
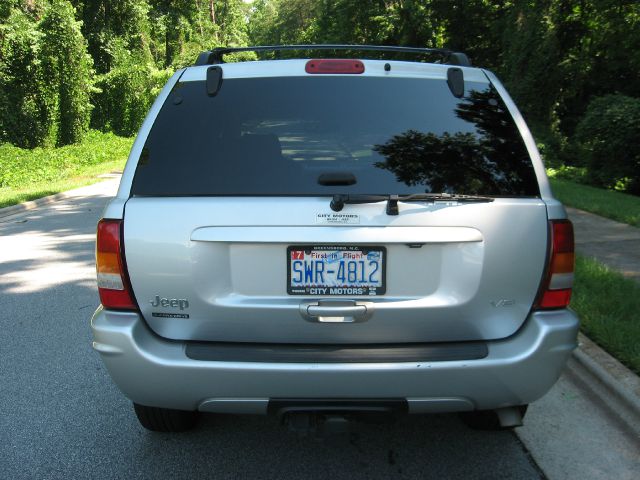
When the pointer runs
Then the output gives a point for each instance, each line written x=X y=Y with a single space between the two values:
x=45 y=76
x=566 y=172
x=608 y=137
x=24 y=112
x=67 y=72
x=125 y=93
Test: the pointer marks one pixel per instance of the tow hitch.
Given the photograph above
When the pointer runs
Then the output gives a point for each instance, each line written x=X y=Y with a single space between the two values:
x=331 y=417
x=316 y=424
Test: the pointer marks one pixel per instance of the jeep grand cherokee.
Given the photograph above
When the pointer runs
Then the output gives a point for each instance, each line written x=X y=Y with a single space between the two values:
x=334 y=236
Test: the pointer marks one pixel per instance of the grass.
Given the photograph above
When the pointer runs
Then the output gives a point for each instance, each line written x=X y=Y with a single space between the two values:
x=608 y=303
x=607 y=203
x=30 y=174
x=609 y=306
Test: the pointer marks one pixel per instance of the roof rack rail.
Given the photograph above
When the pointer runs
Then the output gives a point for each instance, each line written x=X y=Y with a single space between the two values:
x=449 y=57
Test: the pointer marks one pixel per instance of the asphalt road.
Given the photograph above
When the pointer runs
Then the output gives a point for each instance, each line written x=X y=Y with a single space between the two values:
x=62 y=417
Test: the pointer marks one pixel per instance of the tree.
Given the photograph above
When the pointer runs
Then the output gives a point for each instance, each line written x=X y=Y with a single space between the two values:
x=608 y=138
x=67 y=72
x=124 y=94
x=282 y=22
x=471 y=26
x=184 y=28
x=104 y=21
x=24 y=111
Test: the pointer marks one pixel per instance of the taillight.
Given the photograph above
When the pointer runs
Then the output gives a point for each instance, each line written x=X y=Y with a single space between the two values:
x=330 y=65
x=558 y=282
x=113 y=283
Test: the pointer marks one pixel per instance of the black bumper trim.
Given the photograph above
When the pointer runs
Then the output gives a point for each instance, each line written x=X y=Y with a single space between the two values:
x=318 y=353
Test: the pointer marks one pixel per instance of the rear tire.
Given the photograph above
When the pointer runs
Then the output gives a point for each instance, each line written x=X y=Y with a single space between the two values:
x=159 y=419
x=487 y=420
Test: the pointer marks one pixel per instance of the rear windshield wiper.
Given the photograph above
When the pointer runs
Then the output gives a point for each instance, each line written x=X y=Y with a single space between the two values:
x=339 y=201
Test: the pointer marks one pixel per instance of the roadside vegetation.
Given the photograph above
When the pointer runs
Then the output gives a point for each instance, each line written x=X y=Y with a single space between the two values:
x=68 y=66
x=608 y=305
x=26 y=174
x=607 y=203
x=78 y=76
x=76 y=73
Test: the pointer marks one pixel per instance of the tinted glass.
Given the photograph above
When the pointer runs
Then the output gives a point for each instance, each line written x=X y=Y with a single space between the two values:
x=277 y=136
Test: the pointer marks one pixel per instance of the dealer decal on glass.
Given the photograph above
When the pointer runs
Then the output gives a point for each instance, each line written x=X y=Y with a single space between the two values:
x=336 y=270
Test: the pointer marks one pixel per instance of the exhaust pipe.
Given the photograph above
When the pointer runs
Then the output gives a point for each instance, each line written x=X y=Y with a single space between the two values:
x=509 y=417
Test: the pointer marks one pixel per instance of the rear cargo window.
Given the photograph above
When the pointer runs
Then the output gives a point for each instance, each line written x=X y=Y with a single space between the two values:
x=278 y=136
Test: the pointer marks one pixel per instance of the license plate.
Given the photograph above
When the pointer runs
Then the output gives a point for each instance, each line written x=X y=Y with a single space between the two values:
x=336 y=270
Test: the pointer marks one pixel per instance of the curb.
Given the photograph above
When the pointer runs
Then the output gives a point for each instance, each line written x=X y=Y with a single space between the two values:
x=621 y=385
x=32 y=204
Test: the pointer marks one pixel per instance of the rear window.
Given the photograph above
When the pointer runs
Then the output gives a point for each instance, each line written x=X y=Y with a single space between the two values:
x=278 y=136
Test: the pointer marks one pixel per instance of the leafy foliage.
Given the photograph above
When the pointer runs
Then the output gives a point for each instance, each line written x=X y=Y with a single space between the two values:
x=67 y=72
x=125 y=93
x=183 y=28
x=49 y=48
x=125 y=22
x=46 y=76
x=24 y=111
x=609 y=138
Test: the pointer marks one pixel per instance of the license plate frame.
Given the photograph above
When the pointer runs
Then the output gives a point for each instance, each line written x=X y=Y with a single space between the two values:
x=349 y=289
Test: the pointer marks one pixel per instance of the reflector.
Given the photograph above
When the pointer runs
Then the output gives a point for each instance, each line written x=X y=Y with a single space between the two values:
x=556 y=298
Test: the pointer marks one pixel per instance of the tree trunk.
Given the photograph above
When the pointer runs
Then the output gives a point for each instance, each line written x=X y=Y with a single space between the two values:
x=199 y=18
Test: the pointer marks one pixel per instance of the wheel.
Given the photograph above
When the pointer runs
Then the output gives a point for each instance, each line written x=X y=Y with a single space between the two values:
x=487 y=419
x=165 y=419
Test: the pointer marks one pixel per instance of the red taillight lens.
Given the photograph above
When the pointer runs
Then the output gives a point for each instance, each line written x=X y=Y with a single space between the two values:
x=558 y=282
x=328 y=65
x=113 y=284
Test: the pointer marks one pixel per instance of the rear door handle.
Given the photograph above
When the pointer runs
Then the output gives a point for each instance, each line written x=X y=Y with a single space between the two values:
x=336 y=311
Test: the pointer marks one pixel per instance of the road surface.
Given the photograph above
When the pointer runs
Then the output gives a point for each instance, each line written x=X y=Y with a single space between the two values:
x=62 y=417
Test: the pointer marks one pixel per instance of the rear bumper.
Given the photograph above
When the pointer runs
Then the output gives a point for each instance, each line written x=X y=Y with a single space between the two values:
x=157 y=372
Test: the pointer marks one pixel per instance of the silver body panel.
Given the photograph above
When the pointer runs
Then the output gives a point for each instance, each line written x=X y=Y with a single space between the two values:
x=152 y=371
x=227 y=258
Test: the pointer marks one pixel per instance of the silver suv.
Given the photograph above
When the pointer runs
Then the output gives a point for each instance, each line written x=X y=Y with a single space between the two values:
x=320 y=238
